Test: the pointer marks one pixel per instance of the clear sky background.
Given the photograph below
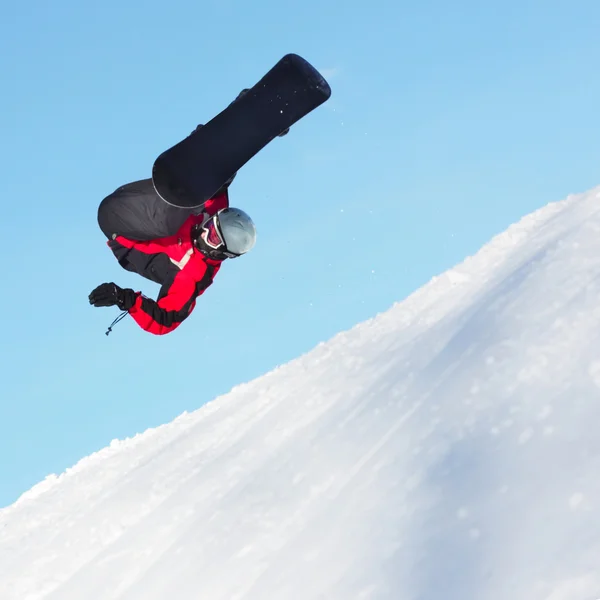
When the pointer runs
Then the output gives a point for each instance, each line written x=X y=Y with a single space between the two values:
x=447 y=123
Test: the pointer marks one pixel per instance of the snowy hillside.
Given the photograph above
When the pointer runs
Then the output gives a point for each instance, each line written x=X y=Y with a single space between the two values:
x=447 y=449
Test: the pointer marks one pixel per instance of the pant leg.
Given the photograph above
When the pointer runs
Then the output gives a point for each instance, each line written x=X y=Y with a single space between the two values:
x=137 y=212
x=150 y=266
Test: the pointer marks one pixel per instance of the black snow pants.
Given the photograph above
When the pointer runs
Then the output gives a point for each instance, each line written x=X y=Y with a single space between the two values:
x=137 y=212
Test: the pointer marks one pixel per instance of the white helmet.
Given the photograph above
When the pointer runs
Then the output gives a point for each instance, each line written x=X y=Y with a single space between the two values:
x=228 y=234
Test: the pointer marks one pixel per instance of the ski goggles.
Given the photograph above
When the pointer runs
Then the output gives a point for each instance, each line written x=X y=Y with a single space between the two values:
x=213 y=237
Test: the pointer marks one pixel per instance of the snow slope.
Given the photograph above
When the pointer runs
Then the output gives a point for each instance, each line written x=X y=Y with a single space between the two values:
x=447 y=448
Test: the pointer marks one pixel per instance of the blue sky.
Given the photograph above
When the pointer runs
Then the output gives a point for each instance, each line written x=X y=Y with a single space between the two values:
x=447 y=123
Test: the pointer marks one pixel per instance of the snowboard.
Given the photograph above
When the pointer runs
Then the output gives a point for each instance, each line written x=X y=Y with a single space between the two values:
x=190 y=172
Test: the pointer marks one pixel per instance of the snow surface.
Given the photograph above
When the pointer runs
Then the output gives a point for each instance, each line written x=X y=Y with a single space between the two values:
x=446 y=449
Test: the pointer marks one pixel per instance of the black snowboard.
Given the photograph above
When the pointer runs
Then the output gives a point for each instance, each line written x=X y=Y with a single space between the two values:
x=190 y=172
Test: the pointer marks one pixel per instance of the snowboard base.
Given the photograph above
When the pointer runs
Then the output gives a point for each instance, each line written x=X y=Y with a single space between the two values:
x=189 y=173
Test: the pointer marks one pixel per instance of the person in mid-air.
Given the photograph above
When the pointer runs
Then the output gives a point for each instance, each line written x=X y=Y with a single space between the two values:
x=184 y=263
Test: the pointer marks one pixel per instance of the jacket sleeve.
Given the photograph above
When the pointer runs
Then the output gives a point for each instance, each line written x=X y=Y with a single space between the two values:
x=175 y=303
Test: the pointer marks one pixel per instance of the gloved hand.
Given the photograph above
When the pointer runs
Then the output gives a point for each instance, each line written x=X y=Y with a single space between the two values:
x=110 y=294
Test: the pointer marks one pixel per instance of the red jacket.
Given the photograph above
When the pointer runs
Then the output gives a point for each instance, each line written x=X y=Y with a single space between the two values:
x=174 y=262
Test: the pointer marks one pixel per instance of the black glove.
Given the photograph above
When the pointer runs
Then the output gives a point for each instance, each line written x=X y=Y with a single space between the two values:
x=110 y=294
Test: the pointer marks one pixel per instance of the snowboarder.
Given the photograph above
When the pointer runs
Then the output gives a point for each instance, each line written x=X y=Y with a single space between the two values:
x=185 y=263
x=173 y=228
